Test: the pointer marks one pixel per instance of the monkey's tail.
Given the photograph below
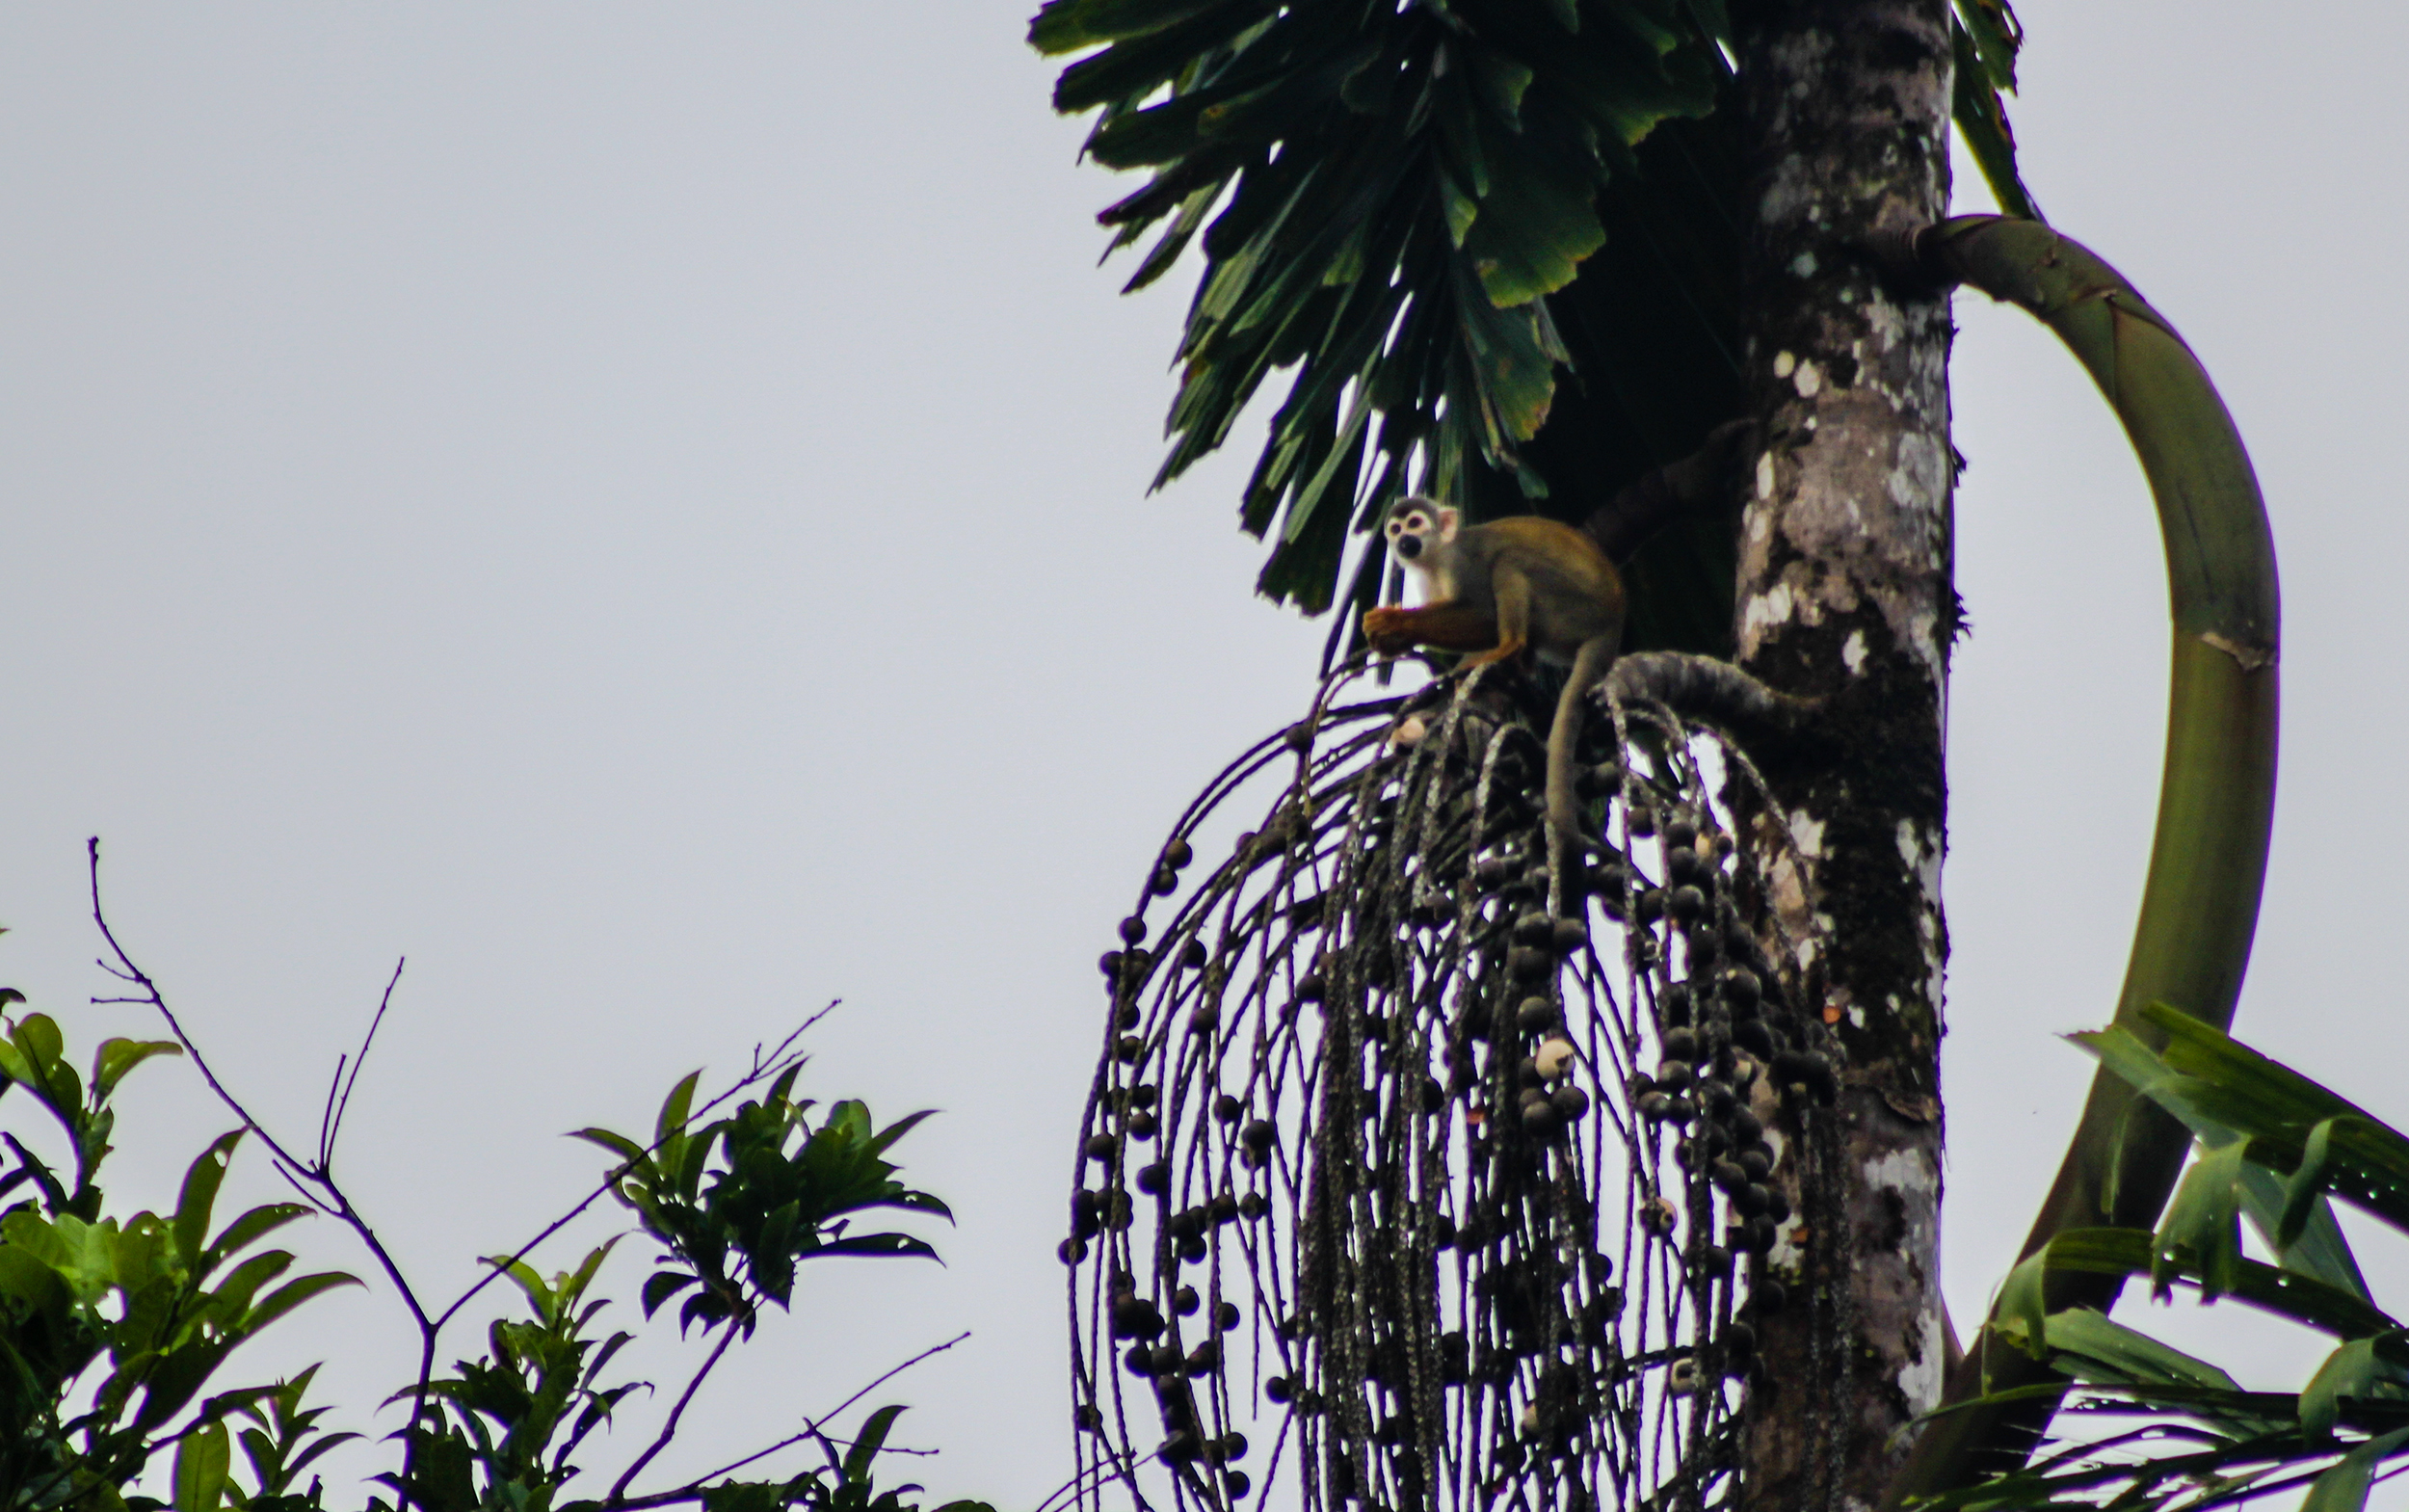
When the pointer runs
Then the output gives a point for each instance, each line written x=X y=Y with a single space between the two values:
x=1564 y=739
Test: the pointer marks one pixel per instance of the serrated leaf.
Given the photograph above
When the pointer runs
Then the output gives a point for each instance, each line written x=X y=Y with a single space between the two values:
x=1501 y=82
x=1368 y=133
x=1175 y=238
x=1512 y=365
x=1538 y=222
x=1460 y=207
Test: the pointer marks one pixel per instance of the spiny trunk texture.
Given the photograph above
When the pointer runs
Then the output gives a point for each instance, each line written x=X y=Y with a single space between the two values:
x=1845 y=593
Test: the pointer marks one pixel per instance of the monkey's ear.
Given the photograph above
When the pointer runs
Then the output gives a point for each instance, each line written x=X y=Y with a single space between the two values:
x=1449 y=517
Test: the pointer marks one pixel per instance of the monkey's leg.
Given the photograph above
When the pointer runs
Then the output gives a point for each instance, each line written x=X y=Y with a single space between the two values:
x=1513 y=593
x=1448 y=626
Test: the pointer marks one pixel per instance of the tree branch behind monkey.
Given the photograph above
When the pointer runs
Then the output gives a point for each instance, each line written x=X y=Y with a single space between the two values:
x=1499 y=590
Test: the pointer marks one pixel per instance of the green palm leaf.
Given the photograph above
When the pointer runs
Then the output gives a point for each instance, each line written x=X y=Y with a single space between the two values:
x=1490 y=243
x=2275 y=1146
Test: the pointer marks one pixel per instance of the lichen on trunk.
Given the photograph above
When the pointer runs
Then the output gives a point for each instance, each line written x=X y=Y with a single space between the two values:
x=1845 y=593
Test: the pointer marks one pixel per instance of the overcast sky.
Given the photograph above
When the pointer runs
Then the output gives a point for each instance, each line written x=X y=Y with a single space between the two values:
x=642 y=510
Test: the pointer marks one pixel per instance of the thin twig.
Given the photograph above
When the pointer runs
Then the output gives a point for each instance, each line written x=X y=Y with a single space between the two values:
x=763 y=1067
x=326 y=1115
x=128 y=971
x=300 y=1190
x=328 y=1133
x=295 y=1169
x=669 y=1428
x=1097 y=1471
x=811 y=1430
x=342 y=1208
x=314 y=1182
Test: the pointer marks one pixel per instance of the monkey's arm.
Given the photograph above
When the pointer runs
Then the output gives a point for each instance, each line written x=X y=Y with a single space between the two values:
x=1451 y=625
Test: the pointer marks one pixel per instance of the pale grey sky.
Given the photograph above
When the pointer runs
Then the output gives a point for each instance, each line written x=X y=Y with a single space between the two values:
x=642 y=510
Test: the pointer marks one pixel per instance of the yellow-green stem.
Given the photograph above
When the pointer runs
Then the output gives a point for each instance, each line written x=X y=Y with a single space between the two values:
x=2215 y=804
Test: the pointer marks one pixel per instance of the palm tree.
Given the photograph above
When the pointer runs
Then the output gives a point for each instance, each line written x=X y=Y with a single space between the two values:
x=1675 y=270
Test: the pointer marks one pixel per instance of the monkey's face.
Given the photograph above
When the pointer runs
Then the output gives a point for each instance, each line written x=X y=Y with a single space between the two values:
x=1416 y=525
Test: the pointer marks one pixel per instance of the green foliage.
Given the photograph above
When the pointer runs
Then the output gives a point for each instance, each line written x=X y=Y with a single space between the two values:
x=845 y=1486
x=2275 y=1149
x=503 y=1416
x=33 y=1056
x=1430 y=212
x=113 y=1331
x=1400 y=188
x=282 y=1442
x=736 y=1227
x=1987 y=38
x=121 y=1315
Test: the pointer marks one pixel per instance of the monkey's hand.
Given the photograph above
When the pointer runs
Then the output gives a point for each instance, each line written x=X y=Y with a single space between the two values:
x=1389 y=631
x=1447 y=626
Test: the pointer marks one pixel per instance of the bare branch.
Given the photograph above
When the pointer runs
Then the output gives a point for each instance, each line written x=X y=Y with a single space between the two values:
x=298 y=1172
x=669 y=1427
x=693 y=1490
x=313 y=1180
x=763 y=1069
x=325 y=1116
x=331 y=1131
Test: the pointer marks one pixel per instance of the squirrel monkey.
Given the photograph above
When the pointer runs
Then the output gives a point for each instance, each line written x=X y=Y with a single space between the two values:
x=1499 y=588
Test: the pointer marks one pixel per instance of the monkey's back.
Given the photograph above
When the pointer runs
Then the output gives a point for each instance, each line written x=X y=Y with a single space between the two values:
x=1577 y=595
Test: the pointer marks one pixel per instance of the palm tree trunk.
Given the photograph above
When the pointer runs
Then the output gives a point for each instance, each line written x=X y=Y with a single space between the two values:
x=1845 y=592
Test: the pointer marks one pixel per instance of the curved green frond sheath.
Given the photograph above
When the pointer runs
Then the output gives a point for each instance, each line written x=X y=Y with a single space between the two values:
x=2215 y=804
